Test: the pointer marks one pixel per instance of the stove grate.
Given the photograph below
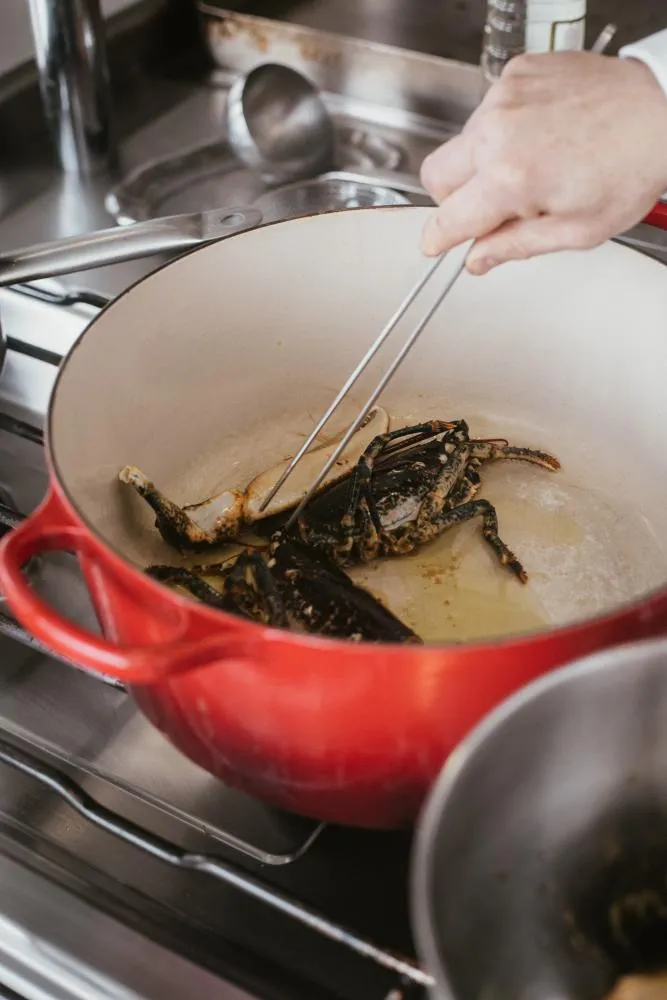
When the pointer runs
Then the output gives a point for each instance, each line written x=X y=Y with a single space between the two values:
x=410 y=976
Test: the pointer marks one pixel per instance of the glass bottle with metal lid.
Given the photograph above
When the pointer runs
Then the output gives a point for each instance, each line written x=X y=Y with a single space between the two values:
x=515 y=26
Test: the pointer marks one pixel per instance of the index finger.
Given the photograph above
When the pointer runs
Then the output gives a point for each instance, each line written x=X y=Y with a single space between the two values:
x=472 y=211
x=446 y=169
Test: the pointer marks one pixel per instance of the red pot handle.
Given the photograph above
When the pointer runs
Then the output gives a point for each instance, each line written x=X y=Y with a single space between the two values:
x=658 y=216
x=49 y=529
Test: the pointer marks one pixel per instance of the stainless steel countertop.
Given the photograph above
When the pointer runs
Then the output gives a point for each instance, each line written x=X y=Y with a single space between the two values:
x=156 y=64
x=162 y=109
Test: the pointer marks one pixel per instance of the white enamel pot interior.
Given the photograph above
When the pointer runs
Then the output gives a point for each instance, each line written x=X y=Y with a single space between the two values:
x=216 y=366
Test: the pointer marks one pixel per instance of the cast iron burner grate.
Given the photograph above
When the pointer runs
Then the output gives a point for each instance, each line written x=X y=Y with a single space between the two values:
x=409 y=975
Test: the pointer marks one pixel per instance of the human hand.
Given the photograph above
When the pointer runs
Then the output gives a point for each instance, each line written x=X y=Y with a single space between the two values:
x=565 y=151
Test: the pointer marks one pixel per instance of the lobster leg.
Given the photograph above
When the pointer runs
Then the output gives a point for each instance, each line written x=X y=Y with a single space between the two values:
x=492 y=451
x=417 y=534
x=178 y=576
x=249 y=588
x=179 y=526
x=469 y=486
x=253 y=589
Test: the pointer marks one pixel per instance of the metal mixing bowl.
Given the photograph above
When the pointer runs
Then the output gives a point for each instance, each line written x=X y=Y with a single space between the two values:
x=278 y=125
x=541 y=866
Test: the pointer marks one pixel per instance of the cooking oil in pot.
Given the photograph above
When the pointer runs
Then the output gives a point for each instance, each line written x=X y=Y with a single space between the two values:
x=584 y=549
x=568 y=540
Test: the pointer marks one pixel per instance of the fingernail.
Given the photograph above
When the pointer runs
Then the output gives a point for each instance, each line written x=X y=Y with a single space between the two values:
x=425 y=170
x=431 y=238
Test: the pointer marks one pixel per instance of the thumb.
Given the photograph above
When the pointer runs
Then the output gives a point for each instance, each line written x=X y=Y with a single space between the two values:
x=524 y=238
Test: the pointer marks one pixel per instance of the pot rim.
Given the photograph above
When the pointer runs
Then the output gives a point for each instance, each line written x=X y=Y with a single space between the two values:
x=444 y=787
x=643 y=606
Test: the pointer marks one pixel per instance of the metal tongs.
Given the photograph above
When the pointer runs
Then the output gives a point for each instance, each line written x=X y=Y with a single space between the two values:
x=600 y=45
x=354 y=376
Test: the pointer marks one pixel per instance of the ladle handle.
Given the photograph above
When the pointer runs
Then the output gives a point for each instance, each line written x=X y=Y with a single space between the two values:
x=122 y=243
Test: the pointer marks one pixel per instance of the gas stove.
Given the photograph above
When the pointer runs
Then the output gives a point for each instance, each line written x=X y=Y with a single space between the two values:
x=125 y=870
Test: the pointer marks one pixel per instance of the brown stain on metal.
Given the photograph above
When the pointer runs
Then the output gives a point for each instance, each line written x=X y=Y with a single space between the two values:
x=312 y=50
x=229 y=28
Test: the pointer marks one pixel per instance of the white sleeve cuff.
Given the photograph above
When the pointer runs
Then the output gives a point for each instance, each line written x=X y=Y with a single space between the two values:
x=652 y=51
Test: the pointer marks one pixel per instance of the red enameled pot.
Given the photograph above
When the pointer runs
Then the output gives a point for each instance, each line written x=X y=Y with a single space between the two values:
x=211 y=369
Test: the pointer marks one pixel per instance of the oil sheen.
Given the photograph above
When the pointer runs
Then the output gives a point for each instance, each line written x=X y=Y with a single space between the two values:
x=583 y=555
